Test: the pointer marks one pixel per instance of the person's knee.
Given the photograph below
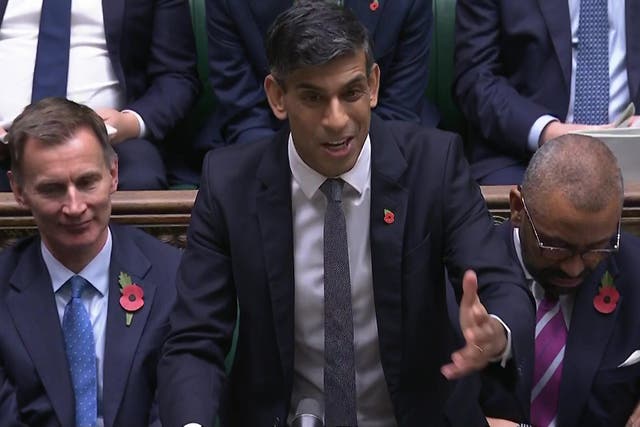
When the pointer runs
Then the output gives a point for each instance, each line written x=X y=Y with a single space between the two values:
x=140 y=166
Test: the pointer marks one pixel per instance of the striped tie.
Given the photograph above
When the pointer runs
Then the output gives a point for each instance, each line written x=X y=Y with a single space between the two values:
x=551 y=336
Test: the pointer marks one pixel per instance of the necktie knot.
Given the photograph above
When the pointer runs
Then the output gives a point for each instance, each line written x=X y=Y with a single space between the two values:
x=78 y=285
x=332 y=189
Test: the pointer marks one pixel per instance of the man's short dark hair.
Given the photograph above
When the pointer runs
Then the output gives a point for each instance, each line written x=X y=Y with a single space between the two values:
x=54 y=121
x=313 y=33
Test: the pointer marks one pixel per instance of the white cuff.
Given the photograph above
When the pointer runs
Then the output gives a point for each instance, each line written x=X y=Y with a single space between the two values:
x=536 y=130
x=142 y=134
x=506 y=355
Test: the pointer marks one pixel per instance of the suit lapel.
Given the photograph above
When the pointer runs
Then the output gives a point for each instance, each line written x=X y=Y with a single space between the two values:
x=586 y=343
x=387 y=168
x=275 y=224
x=632 y=17
x=32 y=306
x=368 y=17
x=3 y=7
x=556 y=15
x=122 y=341
x=113 y=14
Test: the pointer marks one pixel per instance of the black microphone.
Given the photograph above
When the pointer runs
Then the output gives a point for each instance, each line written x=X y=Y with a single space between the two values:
x=308 y=414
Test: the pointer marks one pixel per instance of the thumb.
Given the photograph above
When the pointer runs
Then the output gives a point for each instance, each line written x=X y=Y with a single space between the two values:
x=469 y=290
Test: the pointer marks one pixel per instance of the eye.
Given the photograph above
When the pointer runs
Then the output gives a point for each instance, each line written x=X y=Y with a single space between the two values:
x=311 y=97
x=87 y=183
x=51 y=190
x=353 y=94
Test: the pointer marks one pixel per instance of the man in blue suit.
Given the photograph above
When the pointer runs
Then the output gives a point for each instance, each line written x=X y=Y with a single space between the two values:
x=401 y=35
x=64 y=170
x=565 y=234
x=131 y=61
x=516 y=69
x=256 y=241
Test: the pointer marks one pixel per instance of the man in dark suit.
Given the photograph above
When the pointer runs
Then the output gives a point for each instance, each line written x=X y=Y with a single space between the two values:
x=64 y=170
x=132 y=61
x=565 y=234
x=517 y=75
x=257 y=242
x=401 y=35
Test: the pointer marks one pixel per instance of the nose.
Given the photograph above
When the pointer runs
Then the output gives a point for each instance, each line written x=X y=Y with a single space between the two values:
x=75 y=204
x=335 y=117
x=573 y=266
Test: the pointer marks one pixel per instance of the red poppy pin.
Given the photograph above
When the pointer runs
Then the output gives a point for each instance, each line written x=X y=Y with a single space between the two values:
x=389 y=217
x=132 y=297
x=607 y=299
x=374 y=5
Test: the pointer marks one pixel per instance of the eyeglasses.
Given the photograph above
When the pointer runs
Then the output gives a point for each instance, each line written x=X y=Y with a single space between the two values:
x=556 y=253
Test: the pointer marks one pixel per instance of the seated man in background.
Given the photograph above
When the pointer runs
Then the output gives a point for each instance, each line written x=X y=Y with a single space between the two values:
x=565 y=235
x=401 y=35
x=132 y=62
x=332 y=237
x=528 y=71
x=84 y=305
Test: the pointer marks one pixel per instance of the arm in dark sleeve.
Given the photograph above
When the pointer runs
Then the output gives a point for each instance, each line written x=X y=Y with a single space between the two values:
x=170 y=69
x=404 y=82
x=9 y=414
x=486 y=97
x=191 y=371
x=238 y=65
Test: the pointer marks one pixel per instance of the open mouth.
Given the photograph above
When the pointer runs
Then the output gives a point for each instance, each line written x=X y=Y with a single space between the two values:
x=339 y=145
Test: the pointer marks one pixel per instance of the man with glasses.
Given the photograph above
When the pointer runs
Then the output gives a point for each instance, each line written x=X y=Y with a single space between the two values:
x=565 y=234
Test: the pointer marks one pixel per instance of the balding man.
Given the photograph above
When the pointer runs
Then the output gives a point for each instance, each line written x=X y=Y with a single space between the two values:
x=565 y=234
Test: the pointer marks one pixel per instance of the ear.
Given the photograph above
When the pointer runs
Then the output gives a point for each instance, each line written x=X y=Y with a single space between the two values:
x=113 y=171
x=275 y=96
x=16 y=188
x=374 y=85
x=516 y=207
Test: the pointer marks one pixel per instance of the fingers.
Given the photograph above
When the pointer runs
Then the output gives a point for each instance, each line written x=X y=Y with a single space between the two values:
x=634 y=419
x=469 y=290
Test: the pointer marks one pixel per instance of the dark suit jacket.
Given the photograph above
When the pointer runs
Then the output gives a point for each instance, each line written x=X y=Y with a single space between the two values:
x=513 y=65
x=35 y=387
x=152 y=50
x=401 y=34
x=594 y=391
x=240 y=246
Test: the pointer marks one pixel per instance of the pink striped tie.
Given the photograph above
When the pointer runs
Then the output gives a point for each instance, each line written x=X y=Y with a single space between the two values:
x=551 y=336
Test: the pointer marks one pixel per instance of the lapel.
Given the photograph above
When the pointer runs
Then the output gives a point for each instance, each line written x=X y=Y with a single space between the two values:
x=3 y=7
x=368 y=17
x=121 y=341
x=632 y=17
x=556 y=15
x=31 y=304
x=388 y=166
x=113 y=14
x=586 y=343
x=275 y=224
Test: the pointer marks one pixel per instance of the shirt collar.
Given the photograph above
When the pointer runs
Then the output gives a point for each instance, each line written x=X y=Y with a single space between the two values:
x=310 y=180
x=94 y=272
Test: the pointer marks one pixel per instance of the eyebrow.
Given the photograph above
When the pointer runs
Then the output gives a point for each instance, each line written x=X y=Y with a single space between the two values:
x=309 y=86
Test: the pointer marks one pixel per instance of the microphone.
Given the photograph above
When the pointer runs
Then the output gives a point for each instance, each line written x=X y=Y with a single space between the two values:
x=308 y=414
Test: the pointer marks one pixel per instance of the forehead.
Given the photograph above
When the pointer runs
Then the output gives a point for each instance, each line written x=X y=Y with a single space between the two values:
x=336 y=73
x=81 y=151
x=559 y=219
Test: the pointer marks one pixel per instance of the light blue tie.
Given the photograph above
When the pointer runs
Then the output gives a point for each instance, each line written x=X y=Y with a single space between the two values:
x=81 y=354
x=591 y=105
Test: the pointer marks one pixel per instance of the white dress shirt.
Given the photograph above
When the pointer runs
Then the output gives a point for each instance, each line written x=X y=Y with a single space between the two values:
x=91 y=78
x=309 y=205
x=619 y=96
x=95 y=300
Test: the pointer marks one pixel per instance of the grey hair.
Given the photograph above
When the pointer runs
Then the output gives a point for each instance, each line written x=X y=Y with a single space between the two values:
x=583 y=169
x=314 y=32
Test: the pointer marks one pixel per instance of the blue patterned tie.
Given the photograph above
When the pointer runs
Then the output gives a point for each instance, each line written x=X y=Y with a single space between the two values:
x=52 y=56
x=339 y=359
x=591 y=105
x=81 y=354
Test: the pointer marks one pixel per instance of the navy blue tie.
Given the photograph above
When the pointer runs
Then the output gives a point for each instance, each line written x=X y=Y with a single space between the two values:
x=81 y=354
x=591 y=104
x=52 y=57
x=339 y=353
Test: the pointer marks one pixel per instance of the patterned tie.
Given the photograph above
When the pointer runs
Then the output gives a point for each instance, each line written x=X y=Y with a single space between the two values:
x=81 y=354
x=52 y=56
x=591 y=104
x=339 y=371
x=551 y=336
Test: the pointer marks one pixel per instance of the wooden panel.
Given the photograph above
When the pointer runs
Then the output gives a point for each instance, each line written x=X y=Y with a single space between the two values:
x=166 y=214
